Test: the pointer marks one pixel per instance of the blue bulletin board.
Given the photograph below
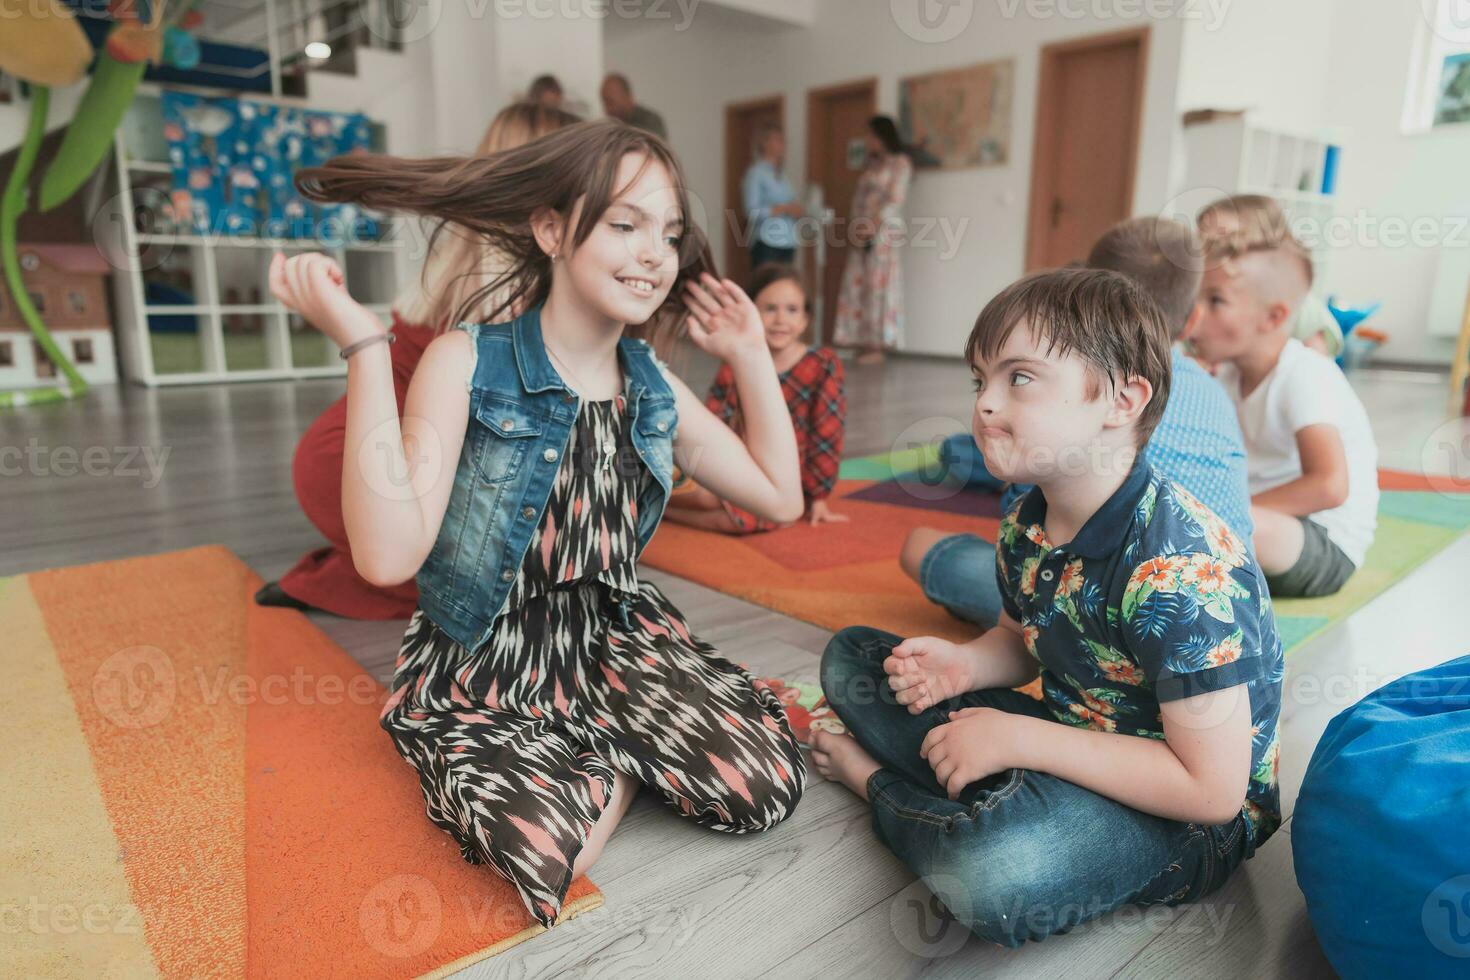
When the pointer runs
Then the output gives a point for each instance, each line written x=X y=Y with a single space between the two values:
x=233 y=160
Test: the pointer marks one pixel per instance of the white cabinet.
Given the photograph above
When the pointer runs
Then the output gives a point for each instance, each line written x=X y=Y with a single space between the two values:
x=195 y=308
x=1230 y=155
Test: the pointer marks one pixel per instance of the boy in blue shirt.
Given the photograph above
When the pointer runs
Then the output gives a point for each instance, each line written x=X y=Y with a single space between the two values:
x=1147 y=772
x=1197 y=444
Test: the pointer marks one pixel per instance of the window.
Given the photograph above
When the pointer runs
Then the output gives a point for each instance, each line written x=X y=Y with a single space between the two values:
x=81 y=350
x=7 y=354
x=1439 y=83
x=37 y=300
x=76 y=300
x=44 y=367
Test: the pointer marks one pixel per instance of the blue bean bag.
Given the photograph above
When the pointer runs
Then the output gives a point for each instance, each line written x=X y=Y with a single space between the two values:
x=1381 y=831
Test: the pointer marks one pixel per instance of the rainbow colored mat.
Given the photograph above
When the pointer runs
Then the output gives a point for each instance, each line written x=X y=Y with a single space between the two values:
x=195 y=785
x=837 y=575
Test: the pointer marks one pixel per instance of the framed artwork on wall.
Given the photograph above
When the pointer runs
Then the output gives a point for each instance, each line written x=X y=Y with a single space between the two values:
x=1453 y=103
x=959 y=118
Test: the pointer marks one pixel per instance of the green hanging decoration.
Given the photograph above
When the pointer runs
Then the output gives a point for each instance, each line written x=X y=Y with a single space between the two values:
x=89 y=137
x=45 y=46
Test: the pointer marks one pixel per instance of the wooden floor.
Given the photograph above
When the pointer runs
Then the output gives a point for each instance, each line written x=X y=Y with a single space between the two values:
x=816 y=895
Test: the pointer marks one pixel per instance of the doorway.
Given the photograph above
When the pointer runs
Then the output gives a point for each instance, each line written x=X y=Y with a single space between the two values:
x=744 y=121
x=1089 y=107
x=837 y=119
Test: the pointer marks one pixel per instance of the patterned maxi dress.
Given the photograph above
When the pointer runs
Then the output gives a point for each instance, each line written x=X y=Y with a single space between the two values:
x=587 y=671
x=870 y=300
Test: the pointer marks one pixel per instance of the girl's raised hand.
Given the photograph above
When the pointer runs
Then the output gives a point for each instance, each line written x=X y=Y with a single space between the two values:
x=312 y=284
x=722 y=319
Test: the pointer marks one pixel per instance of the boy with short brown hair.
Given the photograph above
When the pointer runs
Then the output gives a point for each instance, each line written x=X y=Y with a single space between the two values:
x=1147 y=771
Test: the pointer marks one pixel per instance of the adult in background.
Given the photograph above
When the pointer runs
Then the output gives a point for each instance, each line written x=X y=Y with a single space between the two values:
x=771 y=208
x=618 y=102
x=546 y=92
x=870 y=301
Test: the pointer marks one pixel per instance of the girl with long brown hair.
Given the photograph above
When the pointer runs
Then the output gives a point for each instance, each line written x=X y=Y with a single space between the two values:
x=539 y=681
x=324 y=578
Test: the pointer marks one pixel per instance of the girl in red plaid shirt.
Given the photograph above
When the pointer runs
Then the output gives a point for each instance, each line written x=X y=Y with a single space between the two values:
x=811 y=378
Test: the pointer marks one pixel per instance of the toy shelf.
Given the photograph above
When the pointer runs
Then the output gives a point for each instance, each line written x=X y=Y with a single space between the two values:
x=1228 y=154
x=197 y=309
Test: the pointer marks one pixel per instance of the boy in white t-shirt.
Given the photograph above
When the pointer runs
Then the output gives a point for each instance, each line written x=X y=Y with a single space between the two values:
x=1310 y=453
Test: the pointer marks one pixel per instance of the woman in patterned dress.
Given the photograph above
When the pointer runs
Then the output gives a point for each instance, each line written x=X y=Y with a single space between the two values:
x=539 y=682
x=870 y=300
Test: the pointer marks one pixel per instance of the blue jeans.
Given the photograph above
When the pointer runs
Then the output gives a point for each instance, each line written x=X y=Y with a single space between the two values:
x=962 y=461
x=958 y=573
x=761 y=253
x=1019 y=855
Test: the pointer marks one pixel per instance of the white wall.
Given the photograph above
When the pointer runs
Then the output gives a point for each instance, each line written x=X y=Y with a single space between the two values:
x=570 y=47
x=1268 y=56
x=463 y=63
x=802 y=12
x=1342 y=68
x=1389 y=177
x=390 y=89
x=15 y=116
x=722 y=57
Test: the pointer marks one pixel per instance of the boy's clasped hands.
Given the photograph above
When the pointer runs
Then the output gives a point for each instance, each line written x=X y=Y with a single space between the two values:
x=924 y=671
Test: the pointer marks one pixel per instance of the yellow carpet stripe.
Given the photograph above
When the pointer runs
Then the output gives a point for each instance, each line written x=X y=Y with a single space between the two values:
x=77 y=917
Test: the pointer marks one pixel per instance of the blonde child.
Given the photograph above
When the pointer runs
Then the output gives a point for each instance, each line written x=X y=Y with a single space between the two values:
x=1258 y=221
x=1310 y=455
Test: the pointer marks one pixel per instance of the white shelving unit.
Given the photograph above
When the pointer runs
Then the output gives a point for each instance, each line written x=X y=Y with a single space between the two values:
x=234 y=330
x=1232 y=155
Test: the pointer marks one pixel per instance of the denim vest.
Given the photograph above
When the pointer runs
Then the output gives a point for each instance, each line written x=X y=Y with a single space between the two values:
x=521 y=418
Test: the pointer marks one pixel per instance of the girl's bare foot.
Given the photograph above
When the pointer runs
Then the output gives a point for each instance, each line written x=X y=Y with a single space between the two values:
x=841 y=758
x=870 y=358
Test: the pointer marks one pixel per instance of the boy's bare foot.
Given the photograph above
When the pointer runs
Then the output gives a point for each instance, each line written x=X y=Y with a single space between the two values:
x=841 y=758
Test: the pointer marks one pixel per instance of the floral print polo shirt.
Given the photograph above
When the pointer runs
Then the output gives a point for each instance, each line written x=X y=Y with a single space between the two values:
x=1154 y=600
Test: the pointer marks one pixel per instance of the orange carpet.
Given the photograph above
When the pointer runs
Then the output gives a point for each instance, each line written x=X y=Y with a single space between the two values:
x=839 y=575
x=195 y=785
x=834 y=575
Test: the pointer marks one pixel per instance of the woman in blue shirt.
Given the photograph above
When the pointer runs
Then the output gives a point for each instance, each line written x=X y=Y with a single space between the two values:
x=771 y=208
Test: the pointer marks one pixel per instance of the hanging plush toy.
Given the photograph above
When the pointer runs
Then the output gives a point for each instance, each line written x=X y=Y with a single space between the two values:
x=44 y=45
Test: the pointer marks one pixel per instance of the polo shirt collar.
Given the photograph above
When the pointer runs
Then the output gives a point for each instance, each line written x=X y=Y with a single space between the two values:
x=1104 y=531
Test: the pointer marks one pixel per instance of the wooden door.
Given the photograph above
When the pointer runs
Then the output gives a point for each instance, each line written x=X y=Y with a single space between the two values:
x=837 y=118
x=1088 y=112
x=744 y=121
